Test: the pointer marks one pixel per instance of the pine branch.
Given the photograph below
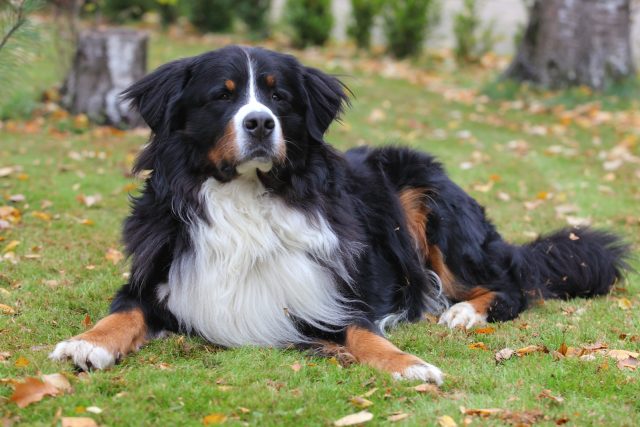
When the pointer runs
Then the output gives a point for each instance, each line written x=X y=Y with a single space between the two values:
x=21 y=18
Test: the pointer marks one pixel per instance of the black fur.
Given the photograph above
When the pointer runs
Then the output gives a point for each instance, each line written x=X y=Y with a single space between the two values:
x=356 y=192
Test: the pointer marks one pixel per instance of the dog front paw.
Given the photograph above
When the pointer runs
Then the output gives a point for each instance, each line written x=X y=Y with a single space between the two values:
x=84 y=354
x=462 y=314
x=421 y=371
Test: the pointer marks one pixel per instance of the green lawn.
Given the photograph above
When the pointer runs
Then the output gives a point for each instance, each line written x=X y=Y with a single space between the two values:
x=533 y=165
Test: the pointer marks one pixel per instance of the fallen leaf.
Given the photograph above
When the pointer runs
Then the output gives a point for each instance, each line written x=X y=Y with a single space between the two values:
x=546 y=394
x=114 y=255
x=94 y=410
x=478 y=346
x=17 y=198
x=622 y=354
x=216 y=418
x=6 y=171
x=353 y=419
x=6 y=309
x=427 y=388
x=504 y=354
x=370 y=392
x=32 y=390
x=563 y=349
x=628 y=363
x=394 y=418
x=480 y=412
x=4 y=355
x=485 y=331
x=89 y=201
x=446 y=421
x=21 y=362
x=296 y=367
x=531 y=349
x=86 y=322
x=360 y=402
x=10 y=246
x=59 y=381
x=78 y=422
x=43 y=216
x=624 y=303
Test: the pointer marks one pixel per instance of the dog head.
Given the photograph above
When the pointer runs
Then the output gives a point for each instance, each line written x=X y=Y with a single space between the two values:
x=237 y=109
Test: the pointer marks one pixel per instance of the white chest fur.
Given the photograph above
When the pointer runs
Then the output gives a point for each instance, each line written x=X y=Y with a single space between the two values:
x=254 y=264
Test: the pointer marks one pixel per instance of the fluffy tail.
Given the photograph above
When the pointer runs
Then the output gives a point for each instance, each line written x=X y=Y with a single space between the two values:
x=575 y=262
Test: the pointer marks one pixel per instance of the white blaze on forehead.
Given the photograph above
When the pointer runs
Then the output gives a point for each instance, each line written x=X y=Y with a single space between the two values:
x=252 y=105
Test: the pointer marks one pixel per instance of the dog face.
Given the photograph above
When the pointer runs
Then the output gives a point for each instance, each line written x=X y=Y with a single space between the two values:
x=238 y=109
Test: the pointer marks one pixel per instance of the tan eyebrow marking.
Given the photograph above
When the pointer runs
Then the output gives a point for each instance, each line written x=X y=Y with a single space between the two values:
x=271 y=80
x=230 y=85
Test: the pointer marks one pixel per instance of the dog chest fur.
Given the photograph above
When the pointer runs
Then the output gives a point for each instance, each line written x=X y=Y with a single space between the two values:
x=255 y=263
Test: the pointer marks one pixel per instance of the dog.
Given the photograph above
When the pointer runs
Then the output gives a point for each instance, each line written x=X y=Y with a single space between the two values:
x=251 y=230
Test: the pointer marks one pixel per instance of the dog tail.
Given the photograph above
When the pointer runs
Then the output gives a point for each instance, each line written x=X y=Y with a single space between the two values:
x=574 y=262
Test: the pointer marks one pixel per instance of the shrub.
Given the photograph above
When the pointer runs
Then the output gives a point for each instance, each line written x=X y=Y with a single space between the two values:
x=472 y=41
x=255 y=13
x=125 y=10
x=212 y=15
x=311 y=21
x=407 y=23
x=363 y=15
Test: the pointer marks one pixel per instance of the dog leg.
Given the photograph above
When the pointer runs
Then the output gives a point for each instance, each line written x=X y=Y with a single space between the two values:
x=107 y=342
x=373 y=350
x=469 y=313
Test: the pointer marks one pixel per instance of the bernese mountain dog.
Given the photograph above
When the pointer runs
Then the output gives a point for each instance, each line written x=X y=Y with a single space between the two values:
x=251 y=230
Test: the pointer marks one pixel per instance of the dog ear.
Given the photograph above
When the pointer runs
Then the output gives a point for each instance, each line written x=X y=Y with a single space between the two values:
x=326 y=98
x=155 y=94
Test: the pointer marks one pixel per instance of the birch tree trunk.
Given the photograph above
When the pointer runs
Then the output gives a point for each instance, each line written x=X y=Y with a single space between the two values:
x=106 y=62
x=575 y=42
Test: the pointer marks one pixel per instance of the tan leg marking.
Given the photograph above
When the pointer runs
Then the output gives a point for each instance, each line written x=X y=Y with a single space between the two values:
x=376 y=351
x=102 y=346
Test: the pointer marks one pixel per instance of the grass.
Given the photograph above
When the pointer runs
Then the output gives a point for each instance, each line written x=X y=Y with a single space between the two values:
x=180 y=380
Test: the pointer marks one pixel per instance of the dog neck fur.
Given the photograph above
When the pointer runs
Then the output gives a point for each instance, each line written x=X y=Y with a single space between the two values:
x=254 y=263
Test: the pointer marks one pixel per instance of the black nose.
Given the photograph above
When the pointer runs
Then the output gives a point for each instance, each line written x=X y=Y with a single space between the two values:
x=259 y=124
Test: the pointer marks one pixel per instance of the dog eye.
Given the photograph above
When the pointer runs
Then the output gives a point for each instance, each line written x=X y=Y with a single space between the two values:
x=224 y=96
x=276 y=97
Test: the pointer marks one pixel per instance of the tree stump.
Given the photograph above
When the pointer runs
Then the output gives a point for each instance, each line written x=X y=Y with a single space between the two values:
x=575 y=42
x=106 y=62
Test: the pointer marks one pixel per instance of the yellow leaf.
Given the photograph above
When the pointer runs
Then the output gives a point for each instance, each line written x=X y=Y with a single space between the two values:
x=360 y=402
x=624 y=303
x=486 y=331
x=530 y=349
x=216 y=418
x=10 y=246
x=446 y=421
x=32 y=390
x=21 y=362
x=6 y=309
x=41 y=215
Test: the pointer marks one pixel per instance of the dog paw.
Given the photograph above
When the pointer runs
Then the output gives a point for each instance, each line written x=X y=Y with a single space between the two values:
x=84 y=354
x=462 y=314
x=421 y=371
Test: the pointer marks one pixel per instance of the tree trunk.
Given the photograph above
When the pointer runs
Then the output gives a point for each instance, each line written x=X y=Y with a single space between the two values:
x=575 y=42
x=106 y=62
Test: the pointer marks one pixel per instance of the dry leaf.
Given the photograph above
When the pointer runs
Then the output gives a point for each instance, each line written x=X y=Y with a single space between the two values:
x=59 y=381
x=504 y=354
x=446 y=421
x=5 y=309
x=89 y=201
x=10 y=246
x=370 y=392
x=360 y=402
x=41 y=216
x=427 y=388
x=563 y=349
x=622 y=354
x=628 y=363
x=531 y=349
x=21 y=362
x=480 y=412
x=216 y=418
x=478 y=346
x=398 y=417
x=624 y=303
x=32 y=390
x=546 y=394
x=114 y=255
x=296 y=367
x=94 y=410
x=86 y=322
x=78 y=422
x=485 y=331
x=353 y=419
